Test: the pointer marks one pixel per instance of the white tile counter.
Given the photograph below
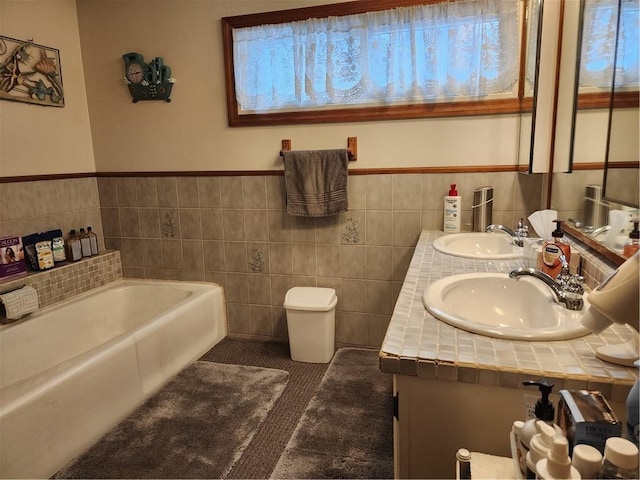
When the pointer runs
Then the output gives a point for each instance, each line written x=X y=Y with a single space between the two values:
x=418 y=344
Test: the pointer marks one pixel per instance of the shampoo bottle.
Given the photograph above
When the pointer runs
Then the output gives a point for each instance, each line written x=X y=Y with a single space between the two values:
x=93 y=241
x=633 y=242
x=74 y=247
x=85 y=243
x=552 y=249
x=452 y=210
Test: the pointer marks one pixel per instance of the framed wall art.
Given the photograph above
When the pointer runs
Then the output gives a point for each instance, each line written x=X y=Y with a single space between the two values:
x=30 y=73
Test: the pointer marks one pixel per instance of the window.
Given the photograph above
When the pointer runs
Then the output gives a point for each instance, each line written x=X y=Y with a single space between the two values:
x=414 y=60
x=599 y=43
x=598 y=49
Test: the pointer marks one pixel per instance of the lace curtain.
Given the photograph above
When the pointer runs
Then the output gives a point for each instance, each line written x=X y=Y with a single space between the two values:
x=409 y=54
x=598 y=44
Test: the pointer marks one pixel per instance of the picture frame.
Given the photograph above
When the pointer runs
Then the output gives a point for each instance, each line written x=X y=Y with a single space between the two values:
x=30 y=73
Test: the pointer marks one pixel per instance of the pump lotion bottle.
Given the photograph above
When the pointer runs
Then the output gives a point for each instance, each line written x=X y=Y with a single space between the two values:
x=452 y=211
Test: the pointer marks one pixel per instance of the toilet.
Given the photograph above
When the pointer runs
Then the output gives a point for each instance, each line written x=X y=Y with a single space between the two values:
x=311 y=320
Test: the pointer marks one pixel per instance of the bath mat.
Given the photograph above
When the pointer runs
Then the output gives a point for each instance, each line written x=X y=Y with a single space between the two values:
x=347 y=429
x=197 y=426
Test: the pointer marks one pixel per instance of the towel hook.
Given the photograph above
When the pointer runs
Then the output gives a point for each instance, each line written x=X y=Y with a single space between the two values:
x=352 y=147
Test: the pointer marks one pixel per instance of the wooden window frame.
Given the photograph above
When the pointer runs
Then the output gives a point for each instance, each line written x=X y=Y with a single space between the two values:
x=352 y=114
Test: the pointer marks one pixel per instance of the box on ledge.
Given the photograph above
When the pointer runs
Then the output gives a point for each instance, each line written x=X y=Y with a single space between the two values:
x=12 y=262
x=586 y=418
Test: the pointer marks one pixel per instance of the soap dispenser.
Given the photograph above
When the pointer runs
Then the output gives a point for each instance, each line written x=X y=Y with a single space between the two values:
x=552 y=249
x=632 y=244
x=544 y=411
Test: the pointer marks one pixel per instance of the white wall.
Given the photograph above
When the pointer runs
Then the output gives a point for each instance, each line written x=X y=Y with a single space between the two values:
x=191 y=132
x=38 y=140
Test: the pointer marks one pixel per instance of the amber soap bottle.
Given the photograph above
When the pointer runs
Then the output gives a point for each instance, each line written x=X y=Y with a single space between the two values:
x=552 y=249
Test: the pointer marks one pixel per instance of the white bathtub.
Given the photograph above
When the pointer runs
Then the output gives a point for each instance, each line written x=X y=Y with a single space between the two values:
x=70 y=372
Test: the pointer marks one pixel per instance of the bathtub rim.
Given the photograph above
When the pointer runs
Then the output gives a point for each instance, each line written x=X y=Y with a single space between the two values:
x=25 y=389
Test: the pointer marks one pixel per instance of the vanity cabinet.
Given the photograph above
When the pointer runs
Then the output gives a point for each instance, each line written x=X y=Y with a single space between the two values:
x=437 y=417
x=456 y=389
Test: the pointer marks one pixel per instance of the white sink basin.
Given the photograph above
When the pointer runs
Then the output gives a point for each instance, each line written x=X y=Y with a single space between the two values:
x=495 y=305
x=490 y=246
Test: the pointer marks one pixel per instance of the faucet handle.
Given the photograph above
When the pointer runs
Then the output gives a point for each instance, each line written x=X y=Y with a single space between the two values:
x=575 y=285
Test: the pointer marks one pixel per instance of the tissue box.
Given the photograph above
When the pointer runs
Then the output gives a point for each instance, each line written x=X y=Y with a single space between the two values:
x=12 y=262
x=586 y=418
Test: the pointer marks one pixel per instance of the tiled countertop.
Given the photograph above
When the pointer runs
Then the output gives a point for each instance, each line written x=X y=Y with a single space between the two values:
x=416 y=343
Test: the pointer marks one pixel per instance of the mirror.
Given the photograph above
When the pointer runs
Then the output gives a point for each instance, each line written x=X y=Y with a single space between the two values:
x=536 y=142
x=604 y=141
x=528 y=94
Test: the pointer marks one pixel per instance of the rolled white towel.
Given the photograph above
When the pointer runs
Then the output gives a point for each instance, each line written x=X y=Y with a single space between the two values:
x=485 y=467
x=19 y=303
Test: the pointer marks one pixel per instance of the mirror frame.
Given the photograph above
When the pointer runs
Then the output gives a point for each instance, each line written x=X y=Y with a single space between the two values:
x=614 y=257
x=532 y=4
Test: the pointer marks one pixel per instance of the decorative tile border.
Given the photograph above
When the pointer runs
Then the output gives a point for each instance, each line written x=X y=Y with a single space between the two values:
x=417 y=343
x=66 y=281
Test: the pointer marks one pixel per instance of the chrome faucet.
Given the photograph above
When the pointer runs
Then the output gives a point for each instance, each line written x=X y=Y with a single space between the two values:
x=515 y=236
x=568 y=289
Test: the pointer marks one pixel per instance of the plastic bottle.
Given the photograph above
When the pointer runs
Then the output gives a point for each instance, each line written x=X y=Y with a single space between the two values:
x=620 y=459
x=85 y=243
x=74 y=247
x=452 y=211
x=557 y=465
x=552 y=249
x=463 y=460
x=539 y=447
x=93 y=241
x=545 y=411
x=587 y=460
x=632 y=244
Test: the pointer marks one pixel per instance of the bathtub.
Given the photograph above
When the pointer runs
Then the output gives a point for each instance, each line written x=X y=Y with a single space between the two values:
x=70 y=372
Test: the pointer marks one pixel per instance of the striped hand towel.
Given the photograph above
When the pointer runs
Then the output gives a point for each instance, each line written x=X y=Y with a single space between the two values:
x=316 y=182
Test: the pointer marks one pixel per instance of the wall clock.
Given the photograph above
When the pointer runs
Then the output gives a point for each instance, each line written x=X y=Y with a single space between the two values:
x=147 y=81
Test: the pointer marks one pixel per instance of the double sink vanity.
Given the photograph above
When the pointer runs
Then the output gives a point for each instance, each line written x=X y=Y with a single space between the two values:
x=464 y=336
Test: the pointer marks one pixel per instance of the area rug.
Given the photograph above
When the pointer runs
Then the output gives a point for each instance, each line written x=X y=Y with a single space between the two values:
x=197 y=426
x=347 y=429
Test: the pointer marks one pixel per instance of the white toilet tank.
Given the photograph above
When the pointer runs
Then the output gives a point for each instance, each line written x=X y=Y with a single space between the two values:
x=311 y=320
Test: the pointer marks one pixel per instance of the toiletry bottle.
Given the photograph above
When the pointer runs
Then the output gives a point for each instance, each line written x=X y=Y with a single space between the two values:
x=552 y=249
x=74 y=247
x=620 y=459
x=463 y=463
x=544 y=411
x=85 y=243
x=557 y=465
x=452 y=211
x=587 y=460
x=632 y=244
x=93 y=240
x=539 y=447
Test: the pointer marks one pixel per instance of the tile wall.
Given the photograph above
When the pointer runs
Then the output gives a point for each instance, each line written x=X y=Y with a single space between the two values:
x=66 y=281
x=29 y=207
x=234 y=230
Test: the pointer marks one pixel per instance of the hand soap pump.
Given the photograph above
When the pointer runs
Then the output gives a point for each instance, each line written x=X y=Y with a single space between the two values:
x=544 y=411
x=552 y=249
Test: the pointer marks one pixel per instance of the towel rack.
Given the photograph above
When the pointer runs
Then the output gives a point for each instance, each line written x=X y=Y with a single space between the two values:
x=352 y=147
